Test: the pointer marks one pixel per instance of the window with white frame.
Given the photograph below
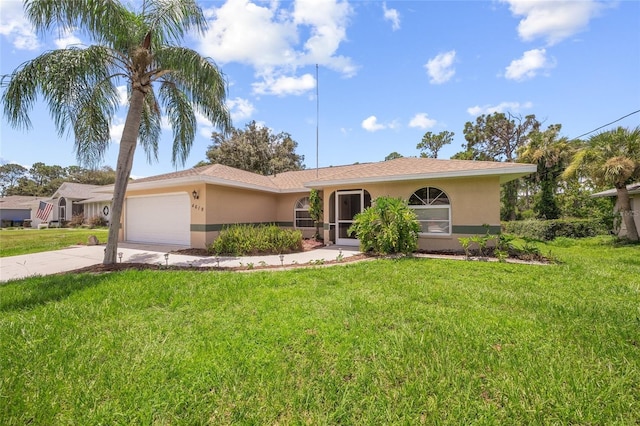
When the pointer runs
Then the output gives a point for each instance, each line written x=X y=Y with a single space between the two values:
x=302 y=216
x=433 y=209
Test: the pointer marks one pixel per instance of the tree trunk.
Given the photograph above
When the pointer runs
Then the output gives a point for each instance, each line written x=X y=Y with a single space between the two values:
x=128 y=144
x=624 y=207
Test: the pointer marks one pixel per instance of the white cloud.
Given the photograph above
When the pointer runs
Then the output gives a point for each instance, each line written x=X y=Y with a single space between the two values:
x=66 y=40
x=240 y=109
x=276 y=40
x=553 y=20
x=391 y=15
x=16 y=28
x=370 y=124
x=123 y=95
x=440 y=68
x=115 y=131
x=501 y=107
x=528 y=66
x=205 y=129
x=422 y=121
x=284 y=85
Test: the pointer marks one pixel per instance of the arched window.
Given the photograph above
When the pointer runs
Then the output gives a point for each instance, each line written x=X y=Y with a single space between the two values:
x=302 y=216
x=433 y=209
x=62 y=209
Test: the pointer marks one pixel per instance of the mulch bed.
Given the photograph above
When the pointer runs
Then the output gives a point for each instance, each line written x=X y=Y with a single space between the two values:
x=306 y=246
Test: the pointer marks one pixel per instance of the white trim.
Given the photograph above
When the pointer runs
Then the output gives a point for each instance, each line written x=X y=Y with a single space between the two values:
x=347 y=241
x=516 y=172
x=296 y=209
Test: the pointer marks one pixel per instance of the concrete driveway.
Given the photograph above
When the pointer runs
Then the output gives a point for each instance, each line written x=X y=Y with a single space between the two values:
x=75 y=257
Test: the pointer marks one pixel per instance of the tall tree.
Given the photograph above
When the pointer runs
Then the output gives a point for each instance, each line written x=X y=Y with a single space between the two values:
x=431 y=143
x=551 y=154
x=133 y=47
x=255 y=149
x=10 y=174
x=498 y=136
x=393 y=156
x=612 y=158
x=102 y=176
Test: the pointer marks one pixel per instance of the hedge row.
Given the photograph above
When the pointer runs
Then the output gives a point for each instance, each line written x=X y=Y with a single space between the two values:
x=547 y=230
x=243 y=240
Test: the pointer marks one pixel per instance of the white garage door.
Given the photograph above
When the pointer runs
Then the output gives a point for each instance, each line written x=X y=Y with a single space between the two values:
x=163 y=219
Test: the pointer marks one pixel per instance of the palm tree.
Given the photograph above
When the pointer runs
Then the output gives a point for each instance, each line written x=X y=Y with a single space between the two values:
x=612 y=158
x=137 y=48
x=551 y=154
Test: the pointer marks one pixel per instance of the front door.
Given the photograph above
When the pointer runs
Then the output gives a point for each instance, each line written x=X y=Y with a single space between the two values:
x=348 y=204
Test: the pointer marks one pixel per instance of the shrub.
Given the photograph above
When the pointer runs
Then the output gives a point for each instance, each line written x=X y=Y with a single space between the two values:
x=76 y=220
x=388 y=226
x=547 y=230
x=97 y=221
x=243 y=240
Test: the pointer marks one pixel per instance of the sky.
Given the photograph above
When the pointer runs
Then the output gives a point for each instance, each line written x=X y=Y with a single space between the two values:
x=357 y=80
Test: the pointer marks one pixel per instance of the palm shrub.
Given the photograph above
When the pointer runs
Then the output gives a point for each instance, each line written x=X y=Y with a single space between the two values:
x=388 y=226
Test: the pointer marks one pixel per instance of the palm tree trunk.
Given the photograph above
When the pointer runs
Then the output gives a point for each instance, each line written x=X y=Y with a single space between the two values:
x=624 y=206
x=128 y=144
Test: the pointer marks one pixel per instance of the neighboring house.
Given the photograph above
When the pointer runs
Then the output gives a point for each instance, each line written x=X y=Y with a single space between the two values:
x=72 y=199
x=15 y=209
x=452 y=198
x=634 y=197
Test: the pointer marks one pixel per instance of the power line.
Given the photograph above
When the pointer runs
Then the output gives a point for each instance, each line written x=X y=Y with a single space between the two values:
x=608 y=124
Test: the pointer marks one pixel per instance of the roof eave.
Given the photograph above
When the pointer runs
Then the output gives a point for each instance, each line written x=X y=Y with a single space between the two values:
x=194 y=180
x=505 y=175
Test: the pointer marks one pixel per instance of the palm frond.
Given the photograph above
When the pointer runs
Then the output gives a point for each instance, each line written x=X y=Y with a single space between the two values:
x=63 y=78
x=91 y=122
x=150 y=127
x=199 y=79
x=168 y=20
x=105 y=21
x=182 y=118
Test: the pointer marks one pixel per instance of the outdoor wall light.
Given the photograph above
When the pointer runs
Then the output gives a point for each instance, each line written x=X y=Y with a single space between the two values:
x=195 y=194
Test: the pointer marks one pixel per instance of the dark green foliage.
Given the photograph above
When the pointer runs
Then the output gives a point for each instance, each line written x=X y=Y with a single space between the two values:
x=393 y=156
x=547 y=230
x=243 y=240
x=315 y=210
x=545 y=206
x=255 y=149
x=388 y=226
x=431 y=143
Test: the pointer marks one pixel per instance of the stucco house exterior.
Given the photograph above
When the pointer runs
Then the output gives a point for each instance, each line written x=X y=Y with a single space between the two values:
x=634 y=198
x=71 y=199
x=452 y=198
x=15 y=209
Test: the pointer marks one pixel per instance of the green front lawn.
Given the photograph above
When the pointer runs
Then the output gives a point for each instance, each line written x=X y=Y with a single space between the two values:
x=407 y=341
x=14 y=242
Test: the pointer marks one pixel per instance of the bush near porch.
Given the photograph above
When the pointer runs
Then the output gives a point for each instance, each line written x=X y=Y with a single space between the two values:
x=249 y=240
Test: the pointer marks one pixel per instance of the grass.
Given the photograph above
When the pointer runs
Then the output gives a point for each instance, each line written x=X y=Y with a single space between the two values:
x=406 y=341
x=15 y=242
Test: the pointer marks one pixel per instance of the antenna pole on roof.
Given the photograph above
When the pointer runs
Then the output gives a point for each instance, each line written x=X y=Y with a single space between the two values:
x=317 y=118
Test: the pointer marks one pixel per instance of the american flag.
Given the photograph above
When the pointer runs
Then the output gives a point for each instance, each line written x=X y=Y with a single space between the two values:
x=44 y=210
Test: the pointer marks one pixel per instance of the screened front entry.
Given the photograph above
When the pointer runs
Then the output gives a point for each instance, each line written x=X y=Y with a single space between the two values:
x=349 y=204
